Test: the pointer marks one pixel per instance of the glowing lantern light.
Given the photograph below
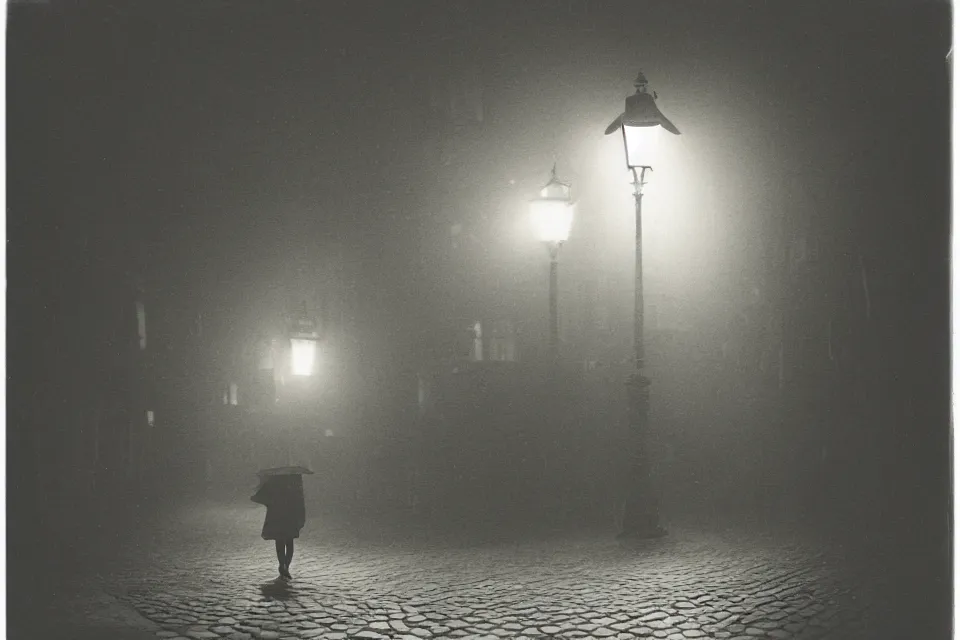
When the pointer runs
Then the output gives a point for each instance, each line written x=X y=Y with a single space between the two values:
x=552 y=212
x=303 y=356
x=641 y=123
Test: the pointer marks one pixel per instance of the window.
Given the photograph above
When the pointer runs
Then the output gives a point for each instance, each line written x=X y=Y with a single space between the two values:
x=150 y=419
x=421 y=392
x=142 y=325
x=503 y=346
x=231 y=394
x=502 y=351
x=477 y=342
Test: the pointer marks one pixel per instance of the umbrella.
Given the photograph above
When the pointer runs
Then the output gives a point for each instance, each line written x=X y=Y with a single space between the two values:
x=273 y=475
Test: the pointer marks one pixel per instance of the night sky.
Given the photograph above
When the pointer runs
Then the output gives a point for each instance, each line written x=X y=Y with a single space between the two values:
x=202 y=125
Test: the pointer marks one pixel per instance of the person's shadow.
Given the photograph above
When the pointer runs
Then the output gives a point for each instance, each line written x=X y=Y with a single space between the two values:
x=278 y=589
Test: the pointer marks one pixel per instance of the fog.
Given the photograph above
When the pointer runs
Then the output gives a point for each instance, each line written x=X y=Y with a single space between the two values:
x=366 y=168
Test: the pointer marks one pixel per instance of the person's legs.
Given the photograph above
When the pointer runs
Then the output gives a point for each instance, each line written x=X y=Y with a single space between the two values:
x=289 y=553
x=284 y=555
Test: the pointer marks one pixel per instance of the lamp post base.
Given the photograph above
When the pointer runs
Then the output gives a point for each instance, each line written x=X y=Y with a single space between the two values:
x=641 y=517
x=641 y=513
x=644 y=534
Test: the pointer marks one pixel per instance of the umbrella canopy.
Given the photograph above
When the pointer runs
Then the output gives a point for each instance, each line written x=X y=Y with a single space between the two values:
x=278 y=481
x=284 y=471
x=276 y=474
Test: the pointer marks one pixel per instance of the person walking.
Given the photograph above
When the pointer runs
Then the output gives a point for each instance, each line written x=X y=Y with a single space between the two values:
x=281 y=492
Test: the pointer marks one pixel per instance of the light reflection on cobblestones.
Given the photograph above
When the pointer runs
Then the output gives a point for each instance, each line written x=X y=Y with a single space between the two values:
x=222 y=585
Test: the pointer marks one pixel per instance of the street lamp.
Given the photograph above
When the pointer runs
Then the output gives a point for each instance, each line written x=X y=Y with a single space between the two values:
x=552 y=216
x=641 y=125
x=303 y=346
x=303 y=356
x=304 y=337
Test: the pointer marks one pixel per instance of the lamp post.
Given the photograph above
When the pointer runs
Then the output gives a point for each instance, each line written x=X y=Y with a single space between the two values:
x=552 y=216
x=641 y=125
x=304 y=338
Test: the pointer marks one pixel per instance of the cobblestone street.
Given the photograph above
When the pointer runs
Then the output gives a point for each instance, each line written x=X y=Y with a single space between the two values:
x=208 y=575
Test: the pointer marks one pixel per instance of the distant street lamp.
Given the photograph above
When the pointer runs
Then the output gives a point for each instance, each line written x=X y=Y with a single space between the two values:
x=303 y=356
x=303 y=346
x=304 y=338
x=641 y=124
x=552 y=216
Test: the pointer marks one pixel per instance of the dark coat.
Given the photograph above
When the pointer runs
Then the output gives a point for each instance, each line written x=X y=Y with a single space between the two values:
x=286 y=513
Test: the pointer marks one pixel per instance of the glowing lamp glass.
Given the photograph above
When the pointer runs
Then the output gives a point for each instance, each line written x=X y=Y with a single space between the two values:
x=552 y=219
x=303 y=356
x=641 y=145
